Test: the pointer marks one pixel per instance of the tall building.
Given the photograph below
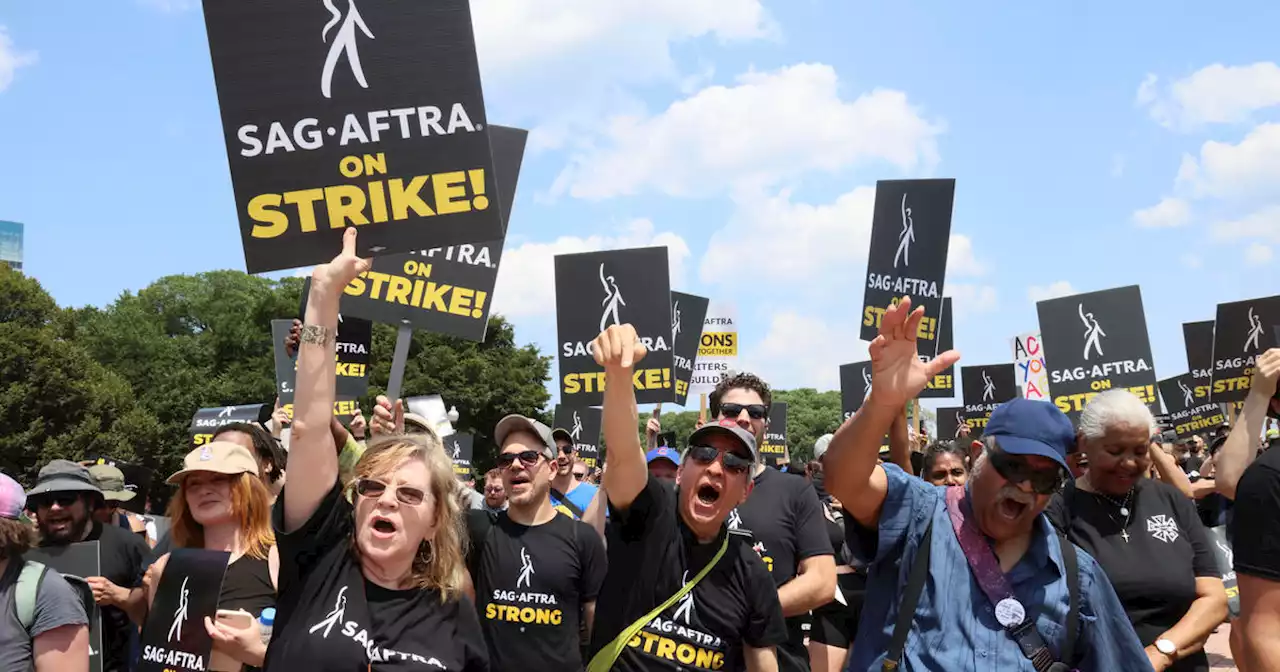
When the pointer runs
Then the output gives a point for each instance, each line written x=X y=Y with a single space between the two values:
x=11 y=244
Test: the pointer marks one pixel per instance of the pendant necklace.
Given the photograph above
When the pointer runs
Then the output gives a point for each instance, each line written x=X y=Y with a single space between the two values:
x=1124 y=511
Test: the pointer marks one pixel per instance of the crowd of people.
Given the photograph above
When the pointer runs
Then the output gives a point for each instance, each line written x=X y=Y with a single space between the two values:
x=1039 y=545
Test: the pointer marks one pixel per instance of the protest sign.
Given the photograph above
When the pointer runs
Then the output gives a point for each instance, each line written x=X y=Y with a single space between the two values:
x=687 y=313
x=445 y=290
x=595 y=290
x=174 y=638
x=717 y=349
x=1095 y=342
x=76 y=563
x=1197 y=338
x=461 y=448
x=949 y=420
x=583 y=424
x=1028 y=362
x=1240 y=335
x=386 y=130
x=343 y=410
x=943 y=385
x=774 y=448
x=855 y=387
x=206 y=420
x=1188 y=414
x=910 y=234
x=986 y=387
x=351 y=364
x=432 y=409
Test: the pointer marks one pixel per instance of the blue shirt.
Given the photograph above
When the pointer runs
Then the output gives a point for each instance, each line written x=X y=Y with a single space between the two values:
x=581 y=496
x=955 y=628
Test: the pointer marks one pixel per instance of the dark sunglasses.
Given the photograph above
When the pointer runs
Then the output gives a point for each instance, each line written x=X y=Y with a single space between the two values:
x=567 y=449
x=578 y=477
x=528 y=458
x=367 y=487
x=1015 y=470
x=755 y=411
x=733 y=463
x=62 y=499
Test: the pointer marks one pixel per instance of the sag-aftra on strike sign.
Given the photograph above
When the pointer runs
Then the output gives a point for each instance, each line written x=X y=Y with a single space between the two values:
x=352 y=113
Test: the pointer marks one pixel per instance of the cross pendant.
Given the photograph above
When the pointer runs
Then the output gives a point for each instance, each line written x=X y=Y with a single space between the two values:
x=1125 y=534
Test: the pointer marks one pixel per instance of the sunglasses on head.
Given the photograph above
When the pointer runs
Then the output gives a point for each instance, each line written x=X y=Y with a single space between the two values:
x=367 y=487
x=733 y=463
x=755 y=411
x=528 y=458
x=1015 y=470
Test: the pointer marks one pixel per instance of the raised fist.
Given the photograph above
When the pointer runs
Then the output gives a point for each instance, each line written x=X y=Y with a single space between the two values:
x=618 y=348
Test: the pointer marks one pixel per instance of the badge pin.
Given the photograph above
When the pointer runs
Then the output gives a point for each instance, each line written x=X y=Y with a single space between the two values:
x=206 y=454
x=1010 y=612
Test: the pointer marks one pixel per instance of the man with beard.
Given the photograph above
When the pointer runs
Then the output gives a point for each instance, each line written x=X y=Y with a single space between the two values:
x=567 y=493
x=64 y=498
x=784 y=517
x=683 y=592
x=536 y=572
x=980 y=557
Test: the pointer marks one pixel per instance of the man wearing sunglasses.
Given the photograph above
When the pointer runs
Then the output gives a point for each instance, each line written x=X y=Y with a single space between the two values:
x=662 y=539
x=785 y=518
x=569 y=494
x=997 y=578
x=536 y=572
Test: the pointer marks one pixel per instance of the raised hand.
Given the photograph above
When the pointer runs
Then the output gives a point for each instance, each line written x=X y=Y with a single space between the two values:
x=388 y=418
x=1265 y=375
x=337 y=274
x=618 y=349
x=897 y=373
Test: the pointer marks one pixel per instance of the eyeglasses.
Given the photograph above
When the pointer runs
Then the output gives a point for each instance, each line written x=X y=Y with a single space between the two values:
x=733 y=463
x=1015 y=470
x=63 y=499
x=567 y=449
x=528 y=458
x=367 y=487
x=755 y=411
x=578 y=476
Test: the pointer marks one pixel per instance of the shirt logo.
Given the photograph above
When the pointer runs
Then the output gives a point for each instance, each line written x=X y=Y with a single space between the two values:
x=685 y=610
x=988 y=387
x=180 y=616
x=1163 y=527
x=1255 y=331
x=1092 y=332
x=526 y=569
x=735 y=519
x=344 y=41
x=906 y=236
x=335 y=615
x=612 y=299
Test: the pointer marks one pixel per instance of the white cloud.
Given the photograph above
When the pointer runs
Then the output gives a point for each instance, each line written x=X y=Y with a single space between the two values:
x=1263 y=224
x=11 y=59
x=1168 y=213
x=960 y=259
x=803 y=351
x=970 y=299
x=1241 y=170
x=526 y=278
x=1216 y=94
x=1257 y=254
x=1038 y=293
x=767 y=127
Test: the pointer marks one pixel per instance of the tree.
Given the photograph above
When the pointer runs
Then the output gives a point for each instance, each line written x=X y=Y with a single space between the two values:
x=810 y=414
x=55 y=400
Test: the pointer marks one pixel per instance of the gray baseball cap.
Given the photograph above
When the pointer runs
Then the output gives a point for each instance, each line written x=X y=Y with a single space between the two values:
x=727 y=428
x=820 y=446
x=518 y=423
x=64 y=476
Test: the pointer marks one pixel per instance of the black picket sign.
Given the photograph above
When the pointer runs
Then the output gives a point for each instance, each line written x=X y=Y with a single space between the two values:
x=208 y=420
x=1187 y=413
x=687 y=313
x=595 y=290
x=943 y=385
x=1197 y=338
x=1240 y=335
x=354 y=351
x=855 y=387
x=774 y=447
x=461 y=448
x=583 y=425
x=174 y=638
x=984 y=388
x=76 y=563
x=949 y=420
x=372 y=116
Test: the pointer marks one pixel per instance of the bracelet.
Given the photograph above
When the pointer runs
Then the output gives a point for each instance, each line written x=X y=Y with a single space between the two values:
x=316 y=334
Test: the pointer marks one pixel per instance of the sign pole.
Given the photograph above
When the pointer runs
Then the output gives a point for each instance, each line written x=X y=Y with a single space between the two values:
x=404 y=335
x=702 y=409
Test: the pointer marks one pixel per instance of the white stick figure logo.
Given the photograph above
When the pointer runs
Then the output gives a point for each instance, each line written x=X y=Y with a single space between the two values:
x=526 y=569
x=179 y=616
x=339 y=610
x=1255 y=331
x=988 y=387
x=344 y=41
x=226 y=411
x=576 y=433
x=735 y=519
x=685 y=610
x=612 y=299
x=866 y=383
x=906 y=237
x=1188 y=399
x=457 y=450
x=1092 y=332
x=675 y=320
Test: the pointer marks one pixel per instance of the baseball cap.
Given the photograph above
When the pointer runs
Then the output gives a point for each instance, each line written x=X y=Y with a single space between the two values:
x=662 y=453
x=820 y=446
x=12 y=498
x=517 y=423
x=219 y=457
x=111 y=480
x=729 y=428
x=63 y=476
x=1026 y=427
x=561 y=433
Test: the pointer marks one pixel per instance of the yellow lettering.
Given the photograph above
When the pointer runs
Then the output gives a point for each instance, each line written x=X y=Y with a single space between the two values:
x=405 y=198
x=345 y=202
x=260 y=210
x=306 y=215
x=451 y=193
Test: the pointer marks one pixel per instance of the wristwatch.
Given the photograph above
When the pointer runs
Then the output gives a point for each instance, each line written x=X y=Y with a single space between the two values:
x=316 y=334
x=1167 y=647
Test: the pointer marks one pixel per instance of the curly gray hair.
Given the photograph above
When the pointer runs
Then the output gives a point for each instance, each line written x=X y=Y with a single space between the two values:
x=1114 y=408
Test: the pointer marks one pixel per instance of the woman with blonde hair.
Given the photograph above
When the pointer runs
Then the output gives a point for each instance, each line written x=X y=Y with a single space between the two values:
x=375 y=581
x=222 y=505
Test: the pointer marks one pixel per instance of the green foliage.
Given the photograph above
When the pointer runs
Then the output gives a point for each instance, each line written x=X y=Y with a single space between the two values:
x=810 y=414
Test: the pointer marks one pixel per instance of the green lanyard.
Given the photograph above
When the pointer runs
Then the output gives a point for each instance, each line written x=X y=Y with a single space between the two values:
x=604 y=659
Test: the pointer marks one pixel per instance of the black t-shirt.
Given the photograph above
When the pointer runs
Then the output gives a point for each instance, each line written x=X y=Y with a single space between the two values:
x=330 y=618
x=1192 y=463
x=1154 y=573
x=1257 y=517
x=651 y=554
x=785 y=520
x=531 y=583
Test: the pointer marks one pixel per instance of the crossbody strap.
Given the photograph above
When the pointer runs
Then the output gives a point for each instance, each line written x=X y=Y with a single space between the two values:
x=1072 y=565
x=606 y=656
x=910 y=598
x=564 y=501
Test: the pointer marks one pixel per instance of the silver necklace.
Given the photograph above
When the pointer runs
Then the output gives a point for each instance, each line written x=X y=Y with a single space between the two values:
x=1124 y=511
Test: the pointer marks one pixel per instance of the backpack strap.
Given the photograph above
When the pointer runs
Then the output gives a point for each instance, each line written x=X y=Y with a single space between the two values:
x=910 y=598
x=26 y=592
x=1072 y=565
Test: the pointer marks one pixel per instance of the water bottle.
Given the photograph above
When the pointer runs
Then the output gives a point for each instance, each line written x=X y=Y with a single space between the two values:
x=266 y=621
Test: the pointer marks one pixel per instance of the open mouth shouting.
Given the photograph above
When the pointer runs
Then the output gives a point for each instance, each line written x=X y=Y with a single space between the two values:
x=519 y=483
x=383 y=527
x=1010 y=508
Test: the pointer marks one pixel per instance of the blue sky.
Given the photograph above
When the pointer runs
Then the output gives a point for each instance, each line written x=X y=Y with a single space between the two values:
x=1097 y=145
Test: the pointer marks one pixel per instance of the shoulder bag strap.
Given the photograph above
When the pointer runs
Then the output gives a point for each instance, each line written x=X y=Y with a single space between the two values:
x=1072 y=565
x=577 y=511
x=910 y=598
x=606 y=656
